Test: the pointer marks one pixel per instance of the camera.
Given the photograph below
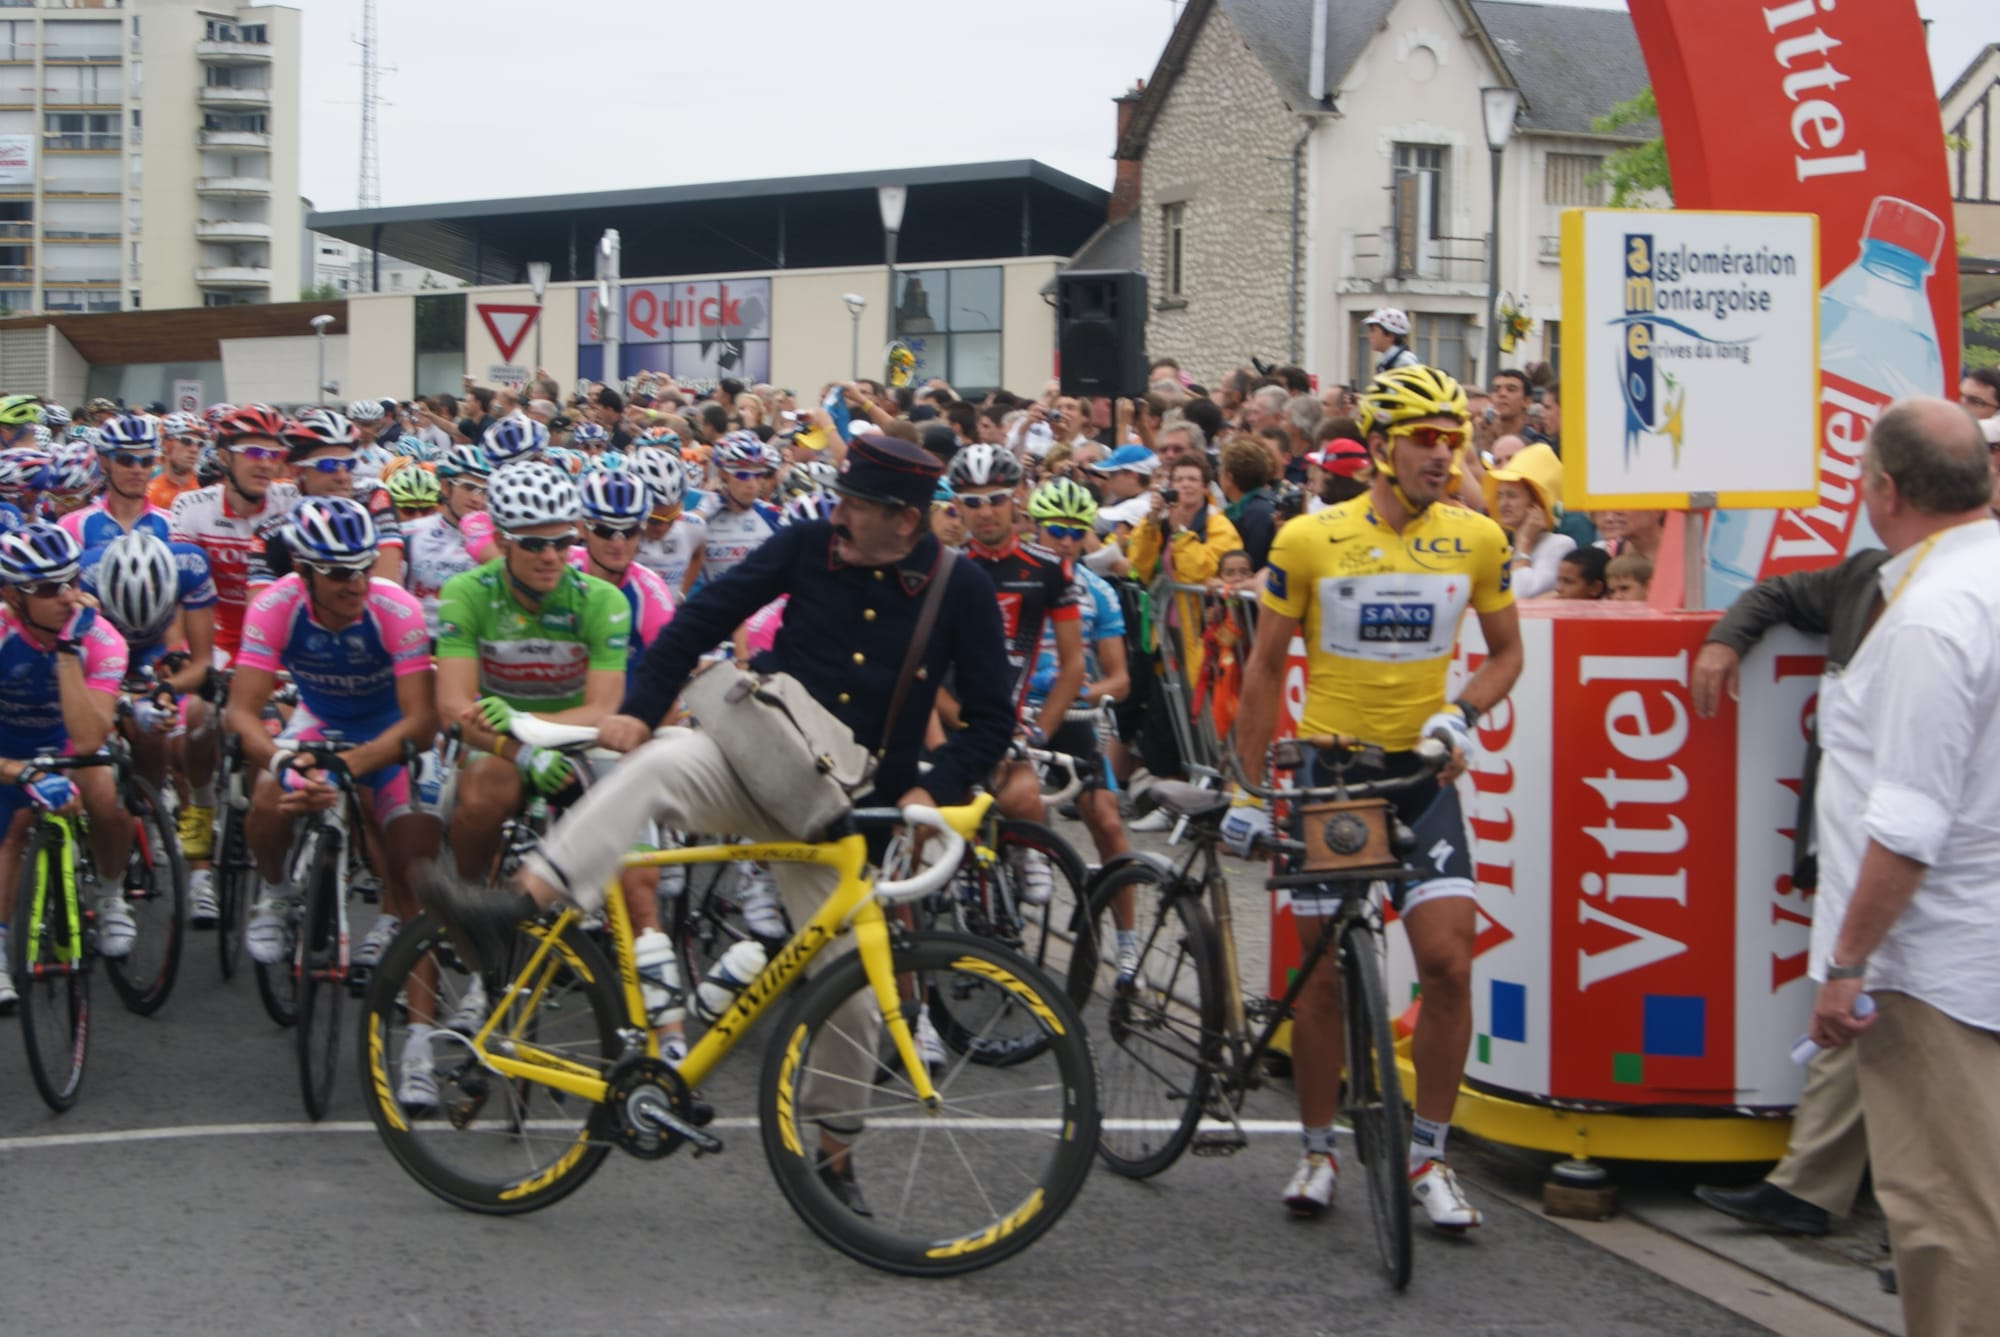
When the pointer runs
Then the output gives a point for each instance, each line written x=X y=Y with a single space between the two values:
x=1169 y=495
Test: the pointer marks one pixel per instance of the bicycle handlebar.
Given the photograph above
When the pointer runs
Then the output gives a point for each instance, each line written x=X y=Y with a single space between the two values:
x=1431 y=755
x=941 y=869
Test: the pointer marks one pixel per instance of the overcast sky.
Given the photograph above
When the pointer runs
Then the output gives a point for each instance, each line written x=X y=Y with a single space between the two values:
x=611 y=94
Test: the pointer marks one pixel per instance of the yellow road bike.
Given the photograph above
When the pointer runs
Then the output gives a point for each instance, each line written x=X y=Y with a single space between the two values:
x=964 y=1165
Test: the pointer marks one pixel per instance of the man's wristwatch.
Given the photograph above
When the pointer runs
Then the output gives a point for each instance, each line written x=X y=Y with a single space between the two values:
x=1470 y=711
x=68 y=646
x=1836 y=971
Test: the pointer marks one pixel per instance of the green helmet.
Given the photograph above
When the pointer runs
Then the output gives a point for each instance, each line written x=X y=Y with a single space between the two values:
x=413 y=485
x=20 y=410
x=1063 y=499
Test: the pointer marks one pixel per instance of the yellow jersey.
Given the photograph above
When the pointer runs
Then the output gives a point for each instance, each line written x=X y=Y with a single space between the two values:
x=1379 y=611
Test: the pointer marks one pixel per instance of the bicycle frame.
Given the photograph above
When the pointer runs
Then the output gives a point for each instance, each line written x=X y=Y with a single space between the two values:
x=503 y=1048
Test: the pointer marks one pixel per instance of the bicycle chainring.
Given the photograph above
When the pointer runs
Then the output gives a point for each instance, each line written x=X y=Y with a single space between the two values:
x=639 y=1085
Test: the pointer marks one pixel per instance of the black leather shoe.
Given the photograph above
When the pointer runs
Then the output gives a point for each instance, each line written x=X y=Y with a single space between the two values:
x=478 y=919
x=1765 y=1204
x=841 y=1184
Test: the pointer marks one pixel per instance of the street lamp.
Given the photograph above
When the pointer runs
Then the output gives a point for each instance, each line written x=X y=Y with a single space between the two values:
x=319 y=324
x=855 y=301
x=1500 y=106
x=538 y=279
x=890 y=200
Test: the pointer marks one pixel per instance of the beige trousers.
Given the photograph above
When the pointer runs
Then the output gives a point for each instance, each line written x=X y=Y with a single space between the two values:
x=684 y=782
x=1931 y=1088
x=1828 y=1150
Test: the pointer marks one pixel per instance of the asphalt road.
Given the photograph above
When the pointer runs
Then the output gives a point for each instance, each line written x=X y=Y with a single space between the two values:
x=187 y=1193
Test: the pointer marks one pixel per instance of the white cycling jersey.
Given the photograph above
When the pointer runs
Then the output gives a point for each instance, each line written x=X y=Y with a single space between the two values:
x=232 y=544
x=668 y=556
x=436 y=550
x=733 y=535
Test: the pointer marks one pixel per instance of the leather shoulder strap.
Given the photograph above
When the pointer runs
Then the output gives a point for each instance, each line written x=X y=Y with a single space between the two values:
x=920 y=640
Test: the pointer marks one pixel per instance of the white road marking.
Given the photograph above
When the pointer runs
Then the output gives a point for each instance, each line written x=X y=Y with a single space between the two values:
x=736 y=1123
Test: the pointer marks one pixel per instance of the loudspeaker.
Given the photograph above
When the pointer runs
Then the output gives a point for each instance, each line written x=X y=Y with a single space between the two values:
x=1101 y=332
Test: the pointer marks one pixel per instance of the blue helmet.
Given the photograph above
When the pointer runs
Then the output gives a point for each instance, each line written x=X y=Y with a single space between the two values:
x=331 y=531
x=513 y=439
x=128 y=432
x=38 y=552
x=73 y=472
x=615 y=498
x=463 y=461
x=589 y=436
x=663 y=474
x=812 y=506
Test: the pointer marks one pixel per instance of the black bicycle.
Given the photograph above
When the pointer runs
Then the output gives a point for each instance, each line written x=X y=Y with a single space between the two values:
x=1175 y=1037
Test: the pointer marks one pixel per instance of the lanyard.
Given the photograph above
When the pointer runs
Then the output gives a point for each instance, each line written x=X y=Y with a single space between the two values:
x=1923 y=551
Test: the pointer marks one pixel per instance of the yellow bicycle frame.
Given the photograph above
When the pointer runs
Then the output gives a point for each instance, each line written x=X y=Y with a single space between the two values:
x=501 y=1043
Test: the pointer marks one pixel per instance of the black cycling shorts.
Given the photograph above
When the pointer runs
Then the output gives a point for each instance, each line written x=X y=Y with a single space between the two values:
x=1443 y=848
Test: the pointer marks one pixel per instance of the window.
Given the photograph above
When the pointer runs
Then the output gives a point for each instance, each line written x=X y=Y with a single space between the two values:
x=950 y=318
x=80 y=130
x=1425 y=164
x=1439 y=341
x=254 y=32
x=1569 y=180
x=440 y=343
x=1552 y=343
x=1173 y=233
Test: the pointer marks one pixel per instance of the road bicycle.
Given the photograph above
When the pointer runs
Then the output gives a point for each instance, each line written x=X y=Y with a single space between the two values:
x=966 y=1168
x=52 y=941
x=1177 y=1041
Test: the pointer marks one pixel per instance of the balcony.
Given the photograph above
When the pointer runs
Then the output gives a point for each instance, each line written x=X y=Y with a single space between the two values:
x=234 y=187
x=17 y=276
x=80 y=278
x=214 y=95
x=234 y=139
x=232 y=276
x=73 y=58
x=231 y=230
x=16 y=231
x=55 y=234
x=233 y=52
x=1375 y=262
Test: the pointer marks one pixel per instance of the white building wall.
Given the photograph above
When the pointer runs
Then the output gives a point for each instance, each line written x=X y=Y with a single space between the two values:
x=68 y=372
x=282 y=370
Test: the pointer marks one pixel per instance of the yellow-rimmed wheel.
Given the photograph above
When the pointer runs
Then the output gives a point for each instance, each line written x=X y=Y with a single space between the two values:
x=478 y=1139
x=929 y=1190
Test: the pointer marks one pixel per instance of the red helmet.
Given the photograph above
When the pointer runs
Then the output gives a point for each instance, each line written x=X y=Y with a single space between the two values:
x=250 y=420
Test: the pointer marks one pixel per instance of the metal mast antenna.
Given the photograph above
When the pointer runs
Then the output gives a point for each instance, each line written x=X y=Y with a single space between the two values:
x=369 y=196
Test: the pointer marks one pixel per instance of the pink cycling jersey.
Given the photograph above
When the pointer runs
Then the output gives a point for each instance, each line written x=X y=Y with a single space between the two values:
x=651 y=598
x=346 y=677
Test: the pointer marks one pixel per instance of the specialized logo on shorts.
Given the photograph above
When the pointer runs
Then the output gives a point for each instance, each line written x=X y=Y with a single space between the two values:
x=1397 y=621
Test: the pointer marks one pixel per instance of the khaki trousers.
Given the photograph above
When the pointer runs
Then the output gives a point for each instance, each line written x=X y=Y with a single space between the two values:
x=684 y=782
x=1930 y=1086
x=1828 y=1151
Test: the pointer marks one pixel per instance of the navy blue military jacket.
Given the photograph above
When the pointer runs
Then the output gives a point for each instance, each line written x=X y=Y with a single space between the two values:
x=845 y=633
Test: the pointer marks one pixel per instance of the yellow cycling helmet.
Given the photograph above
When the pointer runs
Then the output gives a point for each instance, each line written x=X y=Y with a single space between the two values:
x=20 y=410
x=1409 y=394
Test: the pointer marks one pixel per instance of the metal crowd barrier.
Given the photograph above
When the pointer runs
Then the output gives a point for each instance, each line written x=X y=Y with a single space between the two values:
x=1180 y=614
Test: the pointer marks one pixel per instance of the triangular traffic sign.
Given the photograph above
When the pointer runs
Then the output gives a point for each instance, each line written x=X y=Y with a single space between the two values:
x=508 y=325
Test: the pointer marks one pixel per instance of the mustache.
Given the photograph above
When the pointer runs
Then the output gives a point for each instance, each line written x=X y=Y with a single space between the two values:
x=844 y=533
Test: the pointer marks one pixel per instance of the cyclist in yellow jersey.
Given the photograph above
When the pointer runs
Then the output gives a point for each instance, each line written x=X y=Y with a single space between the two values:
x=1377 y=587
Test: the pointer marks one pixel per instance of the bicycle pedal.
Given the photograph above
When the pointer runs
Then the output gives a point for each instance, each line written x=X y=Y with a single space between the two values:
x=700 y=1113
x=1218 y=1142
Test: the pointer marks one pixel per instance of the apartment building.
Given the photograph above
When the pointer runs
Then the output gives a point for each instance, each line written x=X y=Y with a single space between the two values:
x=149 y=154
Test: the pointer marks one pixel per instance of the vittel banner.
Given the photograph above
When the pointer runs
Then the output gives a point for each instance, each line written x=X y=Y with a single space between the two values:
x=1813 y=106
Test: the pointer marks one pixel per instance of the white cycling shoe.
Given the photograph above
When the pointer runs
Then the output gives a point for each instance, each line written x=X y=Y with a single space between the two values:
x=1313 y=1185
x=1436 y=1190
x=268 y=935
x=116 y=929
x=470 y=1013
x=381 y=933
x=757 y=898
x=416 y=1078
x=204 y=907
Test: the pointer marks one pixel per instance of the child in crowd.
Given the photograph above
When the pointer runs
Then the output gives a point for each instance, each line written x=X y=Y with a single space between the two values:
x=1581 y=575
x=1236 y=573
x=1628 y=578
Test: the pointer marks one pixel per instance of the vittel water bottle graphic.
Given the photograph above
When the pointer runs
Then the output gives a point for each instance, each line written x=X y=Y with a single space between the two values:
x=1878 y=342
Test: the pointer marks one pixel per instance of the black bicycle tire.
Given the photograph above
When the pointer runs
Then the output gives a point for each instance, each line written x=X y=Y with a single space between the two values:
x=235 y=877
x=58 y=1096
x=380 y=1009
x=1372 y=1075
x=815 y=1001
x=1037 y=935
x=1200 y=951
x=143 y=802
x=318 y=1000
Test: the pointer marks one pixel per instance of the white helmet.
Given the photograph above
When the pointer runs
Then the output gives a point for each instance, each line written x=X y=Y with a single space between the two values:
x=984 y=465
x=1393 y=322
x=367 y=410
x=521 y=496
x=663 y=474
x=138 y=583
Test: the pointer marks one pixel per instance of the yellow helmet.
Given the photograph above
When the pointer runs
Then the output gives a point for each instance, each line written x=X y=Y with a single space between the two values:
x=1407 y=394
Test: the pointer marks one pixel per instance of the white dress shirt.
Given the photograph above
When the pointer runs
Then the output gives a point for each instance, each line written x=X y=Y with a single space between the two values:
x=1911 y=740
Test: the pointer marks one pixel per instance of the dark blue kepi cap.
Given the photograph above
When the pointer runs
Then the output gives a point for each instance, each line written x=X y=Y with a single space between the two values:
x=889 y=470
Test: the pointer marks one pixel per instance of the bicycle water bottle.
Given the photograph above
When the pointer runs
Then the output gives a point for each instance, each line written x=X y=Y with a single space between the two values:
x=659 y=977
x=1878 y=342
x=743 y=962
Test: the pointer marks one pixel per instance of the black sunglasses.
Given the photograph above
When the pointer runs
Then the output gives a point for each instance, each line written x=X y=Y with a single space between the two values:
x=534 y=543
x=129 y=460
x=340 y=575
x=615 y=531
x=47 y=589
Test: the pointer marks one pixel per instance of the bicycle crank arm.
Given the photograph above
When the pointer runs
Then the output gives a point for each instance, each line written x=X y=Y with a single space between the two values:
x=665 y=1121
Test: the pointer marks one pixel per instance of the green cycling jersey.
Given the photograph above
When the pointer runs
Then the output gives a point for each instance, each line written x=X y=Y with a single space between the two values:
x=534 y=659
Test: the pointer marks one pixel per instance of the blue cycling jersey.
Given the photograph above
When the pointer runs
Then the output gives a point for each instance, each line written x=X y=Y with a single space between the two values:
x=197 y=591
x=1101 y=617
x=93 y=527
